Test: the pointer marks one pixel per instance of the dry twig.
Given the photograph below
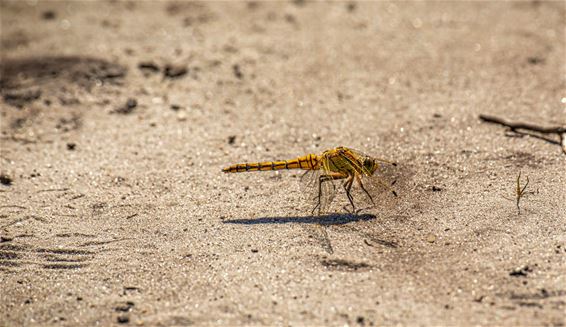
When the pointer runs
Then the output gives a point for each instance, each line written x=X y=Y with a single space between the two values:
x=517 y=127
x=519 y=192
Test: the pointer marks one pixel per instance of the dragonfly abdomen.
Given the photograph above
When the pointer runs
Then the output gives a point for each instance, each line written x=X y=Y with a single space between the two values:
x=308 y=162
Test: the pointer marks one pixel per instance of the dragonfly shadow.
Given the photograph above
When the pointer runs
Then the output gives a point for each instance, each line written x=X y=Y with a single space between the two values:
x=333 y=219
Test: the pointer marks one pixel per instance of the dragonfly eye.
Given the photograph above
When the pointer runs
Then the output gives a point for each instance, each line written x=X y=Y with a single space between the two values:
x=369 y=164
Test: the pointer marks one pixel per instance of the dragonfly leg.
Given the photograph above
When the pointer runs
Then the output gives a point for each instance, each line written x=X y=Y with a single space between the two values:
x=347 y=187
x=322 y=179
x=364 y=189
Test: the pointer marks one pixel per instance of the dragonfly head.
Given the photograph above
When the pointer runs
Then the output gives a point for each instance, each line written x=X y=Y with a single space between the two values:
x=370 y=166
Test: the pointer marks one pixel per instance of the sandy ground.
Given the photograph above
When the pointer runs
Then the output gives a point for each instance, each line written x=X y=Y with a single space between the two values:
x=117 y=118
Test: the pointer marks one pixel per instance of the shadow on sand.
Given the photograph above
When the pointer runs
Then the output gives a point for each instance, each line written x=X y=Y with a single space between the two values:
x=333 y=219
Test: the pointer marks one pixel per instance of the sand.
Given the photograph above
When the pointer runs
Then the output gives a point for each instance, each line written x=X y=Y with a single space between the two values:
x=117 y=118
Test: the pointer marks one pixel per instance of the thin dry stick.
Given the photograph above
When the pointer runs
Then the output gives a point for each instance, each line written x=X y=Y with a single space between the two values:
x=515 y=127
x=520 y=191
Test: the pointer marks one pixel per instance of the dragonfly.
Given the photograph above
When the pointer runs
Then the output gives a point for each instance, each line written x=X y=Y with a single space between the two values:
x=342 y=164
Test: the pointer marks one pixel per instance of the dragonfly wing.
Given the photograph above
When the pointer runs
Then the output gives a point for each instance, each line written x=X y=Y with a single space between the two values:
x=374 y=191
x=318 y=195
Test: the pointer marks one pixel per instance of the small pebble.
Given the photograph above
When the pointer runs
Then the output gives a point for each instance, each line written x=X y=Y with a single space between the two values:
x=148 y=67
x=431 y=238
x=237 y=71
x=5 y=180
x=181 y=116
x=123 y=319
x=175 y=71
x=130 y=105
x=48 y=15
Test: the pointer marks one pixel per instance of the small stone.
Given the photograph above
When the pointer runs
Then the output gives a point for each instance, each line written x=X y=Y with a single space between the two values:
x=130 y=105
x=431 y=238
x=5 y=180
x=175 y=71
x=479 y=299
x=175 y=107
x=148 y=67
x=71 y=146
x=520 y=272
x=181 y=116
x=48 y=15
x=123 y=319
x=231 y=139
x=237 y=71
x=535 y=60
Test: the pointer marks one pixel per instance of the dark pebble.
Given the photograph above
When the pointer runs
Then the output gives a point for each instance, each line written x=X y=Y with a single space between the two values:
x=48 y=15
x=175 y=107
x=148 y=67
x=5 y=180
x=255 y=250
x=237 y=71
x=123 y=319
x=71 y=146
x=231 y=139
x=521 y=272
x=436 y=189
x=175 y=71
x=130 y=105
x=535 y=60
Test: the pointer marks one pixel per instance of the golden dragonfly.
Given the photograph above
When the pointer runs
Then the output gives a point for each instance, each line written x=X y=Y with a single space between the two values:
x=340 y=163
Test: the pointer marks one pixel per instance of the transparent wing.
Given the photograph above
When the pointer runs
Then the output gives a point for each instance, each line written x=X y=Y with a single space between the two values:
x=371 y=189
x=375 y=191
x=318 y=195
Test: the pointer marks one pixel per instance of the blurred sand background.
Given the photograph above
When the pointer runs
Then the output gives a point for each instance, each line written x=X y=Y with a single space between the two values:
x=117 y=118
